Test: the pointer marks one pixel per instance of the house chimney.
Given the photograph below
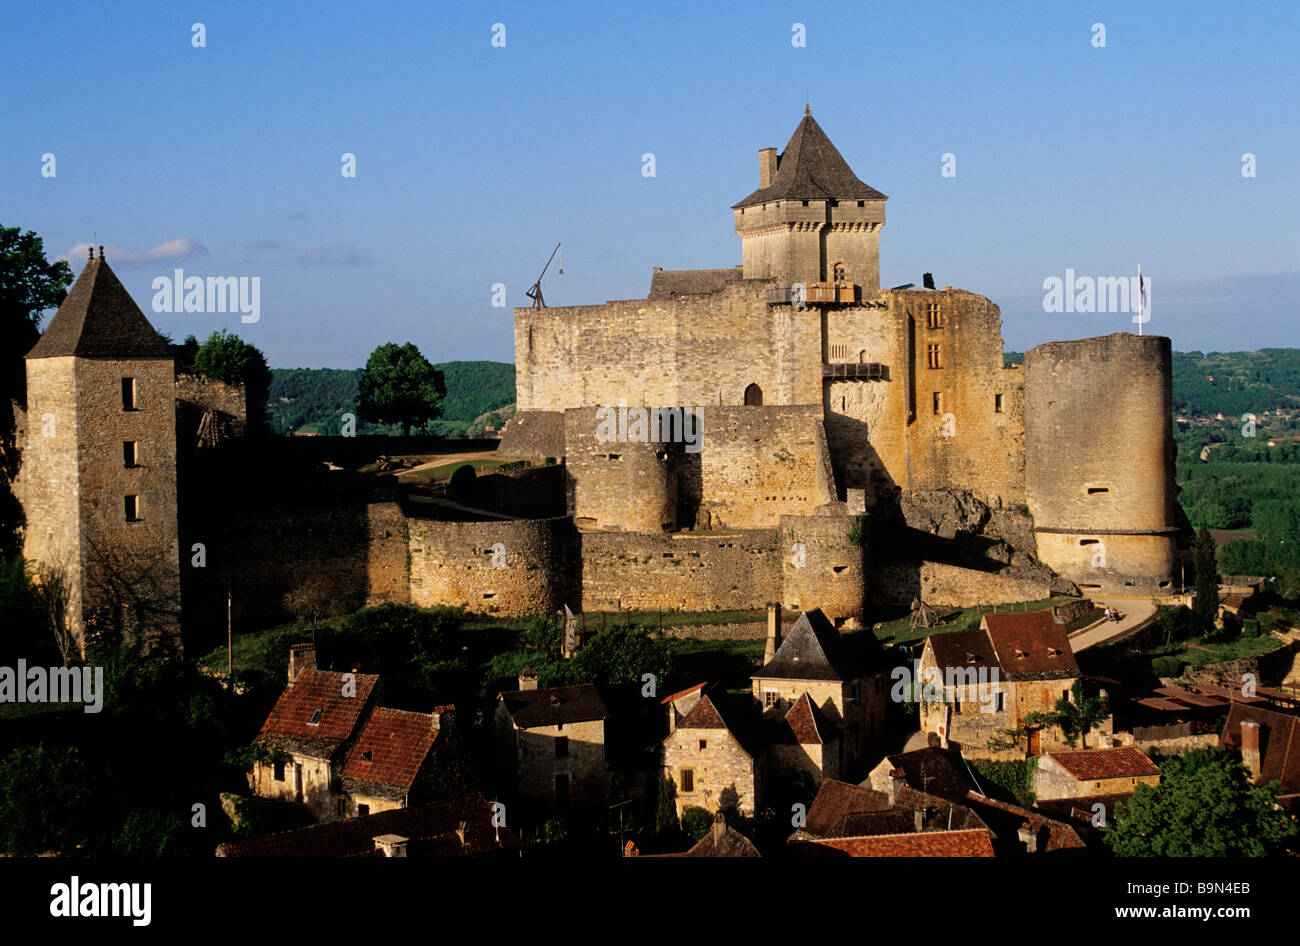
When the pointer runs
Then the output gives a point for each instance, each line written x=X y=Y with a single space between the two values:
x=719 y=827
x=773 y=632
x=1029 y=838
x=897 y=779
x=1250 y=748
x=528 y=679
x=301 y=657
x=927 y=280
x=393 y=845
x=442 y=716
x=918 y=819
x=766 y=167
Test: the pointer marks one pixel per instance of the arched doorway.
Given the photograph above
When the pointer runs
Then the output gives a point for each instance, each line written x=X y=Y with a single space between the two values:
x=753 y=396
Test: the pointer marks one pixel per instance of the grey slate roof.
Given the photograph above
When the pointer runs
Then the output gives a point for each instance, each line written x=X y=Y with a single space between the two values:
x=815 y=650
x=575 y=704
x=811 y=169
x=99 y=319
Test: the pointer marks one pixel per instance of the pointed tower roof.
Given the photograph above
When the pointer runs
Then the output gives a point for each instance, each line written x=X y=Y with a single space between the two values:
x=811 y=169
x=815 y=650
x=99 y=319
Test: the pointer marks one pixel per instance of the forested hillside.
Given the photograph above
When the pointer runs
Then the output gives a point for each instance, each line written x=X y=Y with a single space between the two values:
x=313 y=400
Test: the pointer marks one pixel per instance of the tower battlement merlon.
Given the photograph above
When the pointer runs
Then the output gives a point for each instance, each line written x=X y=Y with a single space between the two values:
x=811 y=219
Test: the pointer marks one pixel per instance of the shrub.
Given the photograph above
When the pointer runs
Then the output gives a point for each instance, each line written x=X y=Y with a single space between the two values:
x=1167 y=666
x=696 y=822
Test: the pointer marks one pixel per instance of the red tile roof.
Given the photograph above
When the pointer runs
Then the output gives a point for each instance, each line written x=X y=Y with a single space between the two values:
x=1091 y=764
x=1279 y=743
x=808 y=723
x=681 y=693
x=1060 y=836
x=835 y=800
x=1031 y=643
x=289 y=724
x=973 y=843
x=391 y=748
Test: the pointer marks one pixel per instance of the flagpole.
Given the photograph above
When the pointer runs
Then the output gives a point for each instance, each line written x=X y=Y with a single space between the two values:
x=1140 y=294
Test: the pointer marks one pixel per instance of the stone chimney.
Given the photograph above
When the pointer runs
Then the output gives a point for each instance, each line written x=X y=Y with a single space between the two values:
x=301 y=657
x=918 y=819
x=442 y=716
x=1250 y=748
x=773 y=633
x=766 y=167
x=393 y=845
x=897 y=779
x=528 y=679
x=719 y=828
x=1028 y=838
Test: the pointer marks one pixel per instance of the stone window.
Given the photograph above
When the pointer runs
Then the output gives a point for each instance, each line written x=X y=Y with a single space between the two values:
x=132 y=507
x=562 y=747
x=932 y=355
x=933 y=315
x=130 y=453
x=129 y=395
x=342 y=807
x=862 y=203
x=363 y=810
x=997 y=403
x=753 y=396
x=770 y=698
x=938 y=403
x=688 y=780
x=704 y=744
x=841 y=274
x=278 y=772
x=997 y=702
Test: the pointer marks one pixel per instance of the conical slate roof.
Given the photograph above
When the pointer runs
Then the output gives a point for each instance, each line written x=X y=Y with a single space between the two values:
x=99 y=319
x=811 y=169
x=815 y=650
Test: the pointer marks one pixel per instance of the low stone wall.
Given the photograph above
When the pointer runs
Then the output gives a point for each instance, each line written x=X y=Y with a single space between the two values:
x=718 y=632
x=1269 y=669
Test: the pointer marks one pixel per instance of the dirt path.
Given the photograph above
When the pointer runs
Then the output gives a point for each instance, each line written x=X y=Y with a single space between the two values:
x=1135 y=611
x=451 y=458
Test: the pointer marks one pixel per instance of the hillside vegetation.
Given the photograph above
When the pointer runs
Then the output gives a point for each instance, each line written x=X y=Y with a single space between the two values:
x=314 y=400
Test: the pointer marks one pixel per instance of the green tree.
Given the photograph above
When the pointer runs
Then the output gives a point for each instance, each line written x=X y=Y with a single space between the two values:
x=696 y=822
x=1204 y=806
x=29 y=286
x=616 y=655
x=228 y=358
x=1206 y=603
x=400 y=386
x=45 y=800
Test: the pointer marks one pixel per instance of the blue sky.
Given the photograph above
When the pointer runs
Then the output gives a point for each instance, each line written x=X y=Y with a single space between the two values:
x=473 y=160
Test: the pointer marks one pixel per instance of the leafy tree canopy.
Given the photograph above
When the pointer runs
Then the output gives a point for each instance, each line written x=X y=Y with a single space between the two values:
x=228 y=358
x=400 y=386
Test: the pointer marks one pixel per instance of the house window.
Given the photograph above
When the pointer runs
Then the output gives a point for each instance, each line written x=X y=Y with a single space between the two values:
x=840 y=273
x=315 y=717
x=277 y=772
x=130 y=453
x=128 y=394
x=688 y=780
x=997 y=403
x=363 y=810
x=132 y=507
x=997 y=702
x=754 y=396
x=932 y=355
x=562 y=747
x=704 y=744
x=770 y=698
x=933 y=318
x=342 y=807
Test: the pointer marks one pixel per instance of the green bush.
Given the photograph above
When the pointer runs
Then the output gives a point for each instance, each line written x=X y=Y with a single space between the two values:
x=696 y=822
x=1167 y=666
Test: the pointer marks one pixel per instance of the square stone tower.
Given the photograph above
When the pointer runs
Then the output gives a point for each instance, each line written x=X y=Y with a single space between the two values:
x=811 y=219
x=98 y=477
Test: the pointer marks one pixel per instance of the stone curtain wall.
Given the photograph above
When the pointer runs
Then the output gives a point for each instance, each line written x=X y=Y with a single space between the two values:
x=207 y=394
x=822 y=568
x=533 y=435
x=682 y=572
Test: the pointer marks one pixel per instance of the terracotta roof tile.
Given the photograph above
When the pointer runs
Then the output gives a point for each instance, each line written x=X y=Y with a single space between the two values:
x=317 y=694
x=392 y=747
x=1279 y=743
x=1093 y=764
x=973 y=843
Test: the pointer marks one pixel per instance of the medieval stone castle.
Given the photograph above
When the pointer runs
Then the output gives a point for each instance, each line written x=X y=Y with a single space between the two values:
x=857 y=447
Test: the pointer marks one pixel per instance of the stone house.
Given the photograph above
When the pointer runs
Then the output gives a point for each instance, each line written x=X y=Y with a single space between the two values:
x=991 y=678
x=346 y=756
x=845 y=677
x=1082 y=773
x=551 y=744
x=714 y=754
x=1269 y=743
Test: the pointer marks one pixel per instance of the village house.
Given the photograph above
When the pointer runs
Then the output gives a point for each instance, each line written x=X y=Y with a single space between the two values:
x=460 y=827
x=1080 y=774
x=845 y=677
x=713 y=753
x=551 y=744
x=339 y=753
x=1269 y=743
x=994 y=677
x=722 y=840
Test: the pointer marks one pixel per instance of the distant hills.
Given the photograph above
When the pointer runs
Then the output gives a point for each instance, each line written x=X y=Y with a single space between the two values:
x=314 y=400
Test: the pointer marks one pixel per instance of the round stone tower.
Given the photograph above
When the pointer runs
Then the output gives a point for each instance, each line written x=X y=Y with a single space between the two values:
x=620 y=473
x=822 y=567
x=1099 y=460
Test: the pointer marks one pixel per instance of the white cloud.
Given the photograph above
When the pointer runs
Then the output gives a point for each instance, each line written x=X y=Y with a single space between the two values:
x=178 y=248
x=345 y=255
